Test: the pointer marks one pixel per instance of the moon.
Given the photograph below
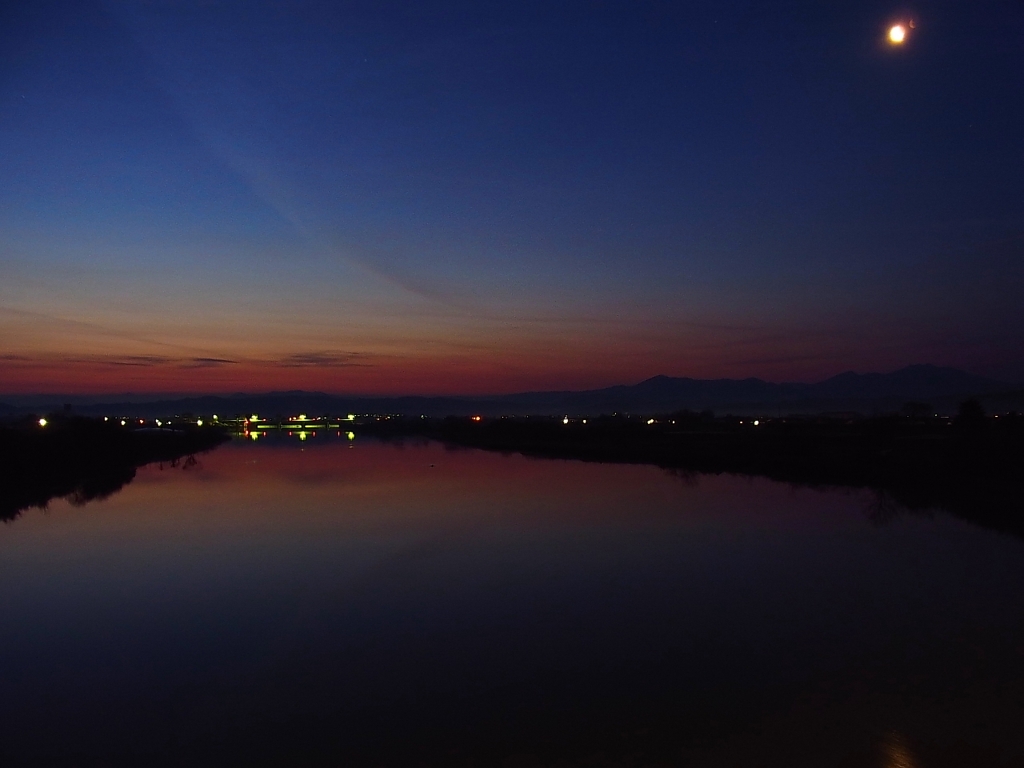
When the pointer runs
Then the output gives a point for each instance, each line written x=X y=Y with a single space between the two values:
x=897 y=34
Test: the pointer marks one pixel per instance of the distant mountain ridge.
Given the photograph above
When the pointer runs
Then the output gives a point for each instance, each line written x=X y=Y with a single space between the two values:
x=942 y=388
x=846 y=391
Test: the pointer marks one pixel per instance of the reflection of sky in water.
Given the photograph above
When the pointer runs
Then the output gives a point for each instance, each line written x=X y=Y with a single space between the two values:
x=413 y=600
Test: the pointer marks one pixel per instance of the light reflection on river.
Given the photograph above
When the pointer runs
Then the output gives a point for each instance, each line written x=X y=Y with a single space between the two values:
x=364 y=603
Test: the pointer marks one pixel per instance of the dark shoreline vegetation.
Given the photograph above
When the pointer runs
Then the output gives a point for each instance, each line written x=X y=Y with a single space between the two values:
x=971 y=466
x=84 y=459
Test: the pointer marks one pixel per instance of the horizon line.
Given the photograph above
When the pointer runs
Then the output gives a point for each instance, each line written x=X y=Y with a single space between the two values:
x=141 y=397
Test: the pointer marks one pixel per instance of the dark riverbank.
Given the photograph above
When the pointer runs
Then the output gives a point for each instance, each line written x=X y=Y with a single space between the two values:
x=971 y=466
x=84 y=459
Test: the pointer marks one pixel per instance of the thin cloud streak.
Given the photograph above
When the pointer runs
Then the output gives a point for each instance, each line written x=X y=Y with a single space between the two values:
x=97 y=328
x=296 y=360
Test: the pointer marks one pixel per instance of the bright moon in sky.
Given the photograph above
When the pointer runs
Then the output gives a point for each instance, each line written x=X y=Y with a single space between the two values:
x=897 y=33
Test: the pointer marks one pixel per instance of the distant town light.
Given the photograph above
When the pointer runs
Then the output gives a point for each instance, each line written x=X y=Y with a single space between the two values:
x=477 y=418
x=565 y=420
x=199 y=422
x=106 y=418
x=584 y=421
x=215 y=417
x=650 y=421
x=756 y=422
x=122 y=422
x=159 y=423
x=42 y=422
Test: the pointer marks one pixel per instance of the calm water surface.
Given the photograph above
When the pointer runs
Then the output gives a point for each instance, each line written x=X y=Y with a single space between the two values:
x=372 y=604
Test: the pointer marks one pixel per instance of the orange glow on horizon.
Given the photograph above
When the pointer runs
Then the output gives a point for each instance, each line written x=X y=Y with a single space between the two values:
x=584 y=361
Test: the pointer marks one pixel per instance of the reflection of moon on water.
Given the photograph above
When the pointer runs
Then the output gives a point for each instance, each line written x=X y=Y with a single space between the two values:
x=897 y=34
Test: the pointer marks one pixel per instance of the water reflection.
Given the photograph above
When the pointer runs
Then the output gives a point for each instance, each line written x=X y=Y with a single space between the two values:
x=84 y=460
x=995 y=505
x=896 y=753
x=411 y=605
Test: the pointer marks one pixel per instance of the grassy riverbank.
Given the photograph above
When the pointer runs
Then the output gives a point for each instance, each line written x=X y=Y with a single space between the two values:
x=972 y=466
x=83 y=459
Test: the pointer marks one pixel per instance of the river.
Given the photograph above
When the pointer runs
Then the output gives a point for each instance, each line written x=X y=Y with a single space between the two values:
x=353 y=602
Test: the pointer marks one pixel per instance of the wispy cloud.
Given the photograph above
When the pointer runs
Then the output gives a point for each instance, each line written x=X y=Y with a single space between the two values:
x=71 y=324
x=210 y=362
x=324 y=360
x=140 y=361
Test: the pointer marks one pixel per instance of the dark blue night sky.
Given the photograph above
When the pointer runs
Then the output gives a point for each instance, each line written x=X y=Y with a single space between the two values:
x=481 y=197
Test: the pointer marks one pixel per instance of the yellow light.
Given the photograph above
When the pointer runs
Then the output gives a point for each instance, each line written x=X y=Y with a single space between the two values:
x=42 y=422
x=351 y=417
x=650 y=421
x=897 y=34
x=254 y=417
x=199 y=422
x=477 y=418
x=350 y=435
x=302 y=435
x=253 y=435
x=215 y=417
x=302 y=417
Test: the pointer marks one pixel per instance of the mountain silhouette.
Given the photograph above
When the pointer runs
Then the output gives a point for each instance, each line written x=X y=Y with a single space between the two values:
x=942 y=388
